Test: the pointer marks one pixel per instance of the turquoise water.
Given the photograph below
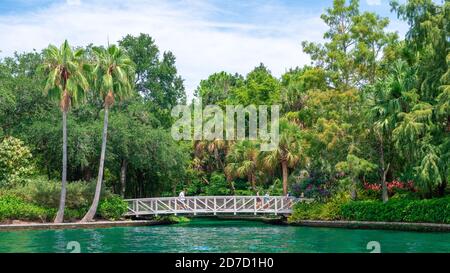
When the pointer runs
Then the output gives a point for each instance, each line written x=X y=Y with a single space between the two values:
x=211 y=235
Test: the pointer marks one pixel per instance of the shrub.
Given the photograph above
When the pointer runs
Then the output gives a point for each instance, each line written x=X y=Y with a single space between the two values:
x=112 y=208
x=46 y=193
x=217 y=185
x=15 y=162
x=320 y=211
x=316 y=186
x=13 y=207
x=406 y=210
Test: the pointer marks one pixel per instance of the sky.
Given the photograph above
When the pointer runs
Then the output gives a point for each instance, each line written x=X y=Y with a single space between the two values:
x=206 y=36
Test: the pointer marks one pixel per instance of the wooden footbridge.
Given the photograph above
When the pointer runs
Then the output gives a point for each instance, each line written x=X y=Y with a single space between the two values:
x=212 y=205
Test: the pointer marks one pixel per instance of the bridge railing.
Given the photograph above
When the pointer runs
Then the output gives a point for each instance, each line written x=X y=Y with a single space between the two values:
x=212 y=205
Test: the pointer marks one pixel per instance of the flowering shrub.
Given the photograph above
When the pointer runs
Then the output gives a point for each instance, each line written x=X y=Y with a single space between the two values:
x=315 y=186
x=392 y=187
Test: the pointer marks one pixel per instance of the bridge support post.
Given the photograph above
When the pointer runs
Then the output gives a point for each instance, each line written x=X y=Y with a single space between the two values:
x=234 y=207
x=195 y=206
x=276 y=207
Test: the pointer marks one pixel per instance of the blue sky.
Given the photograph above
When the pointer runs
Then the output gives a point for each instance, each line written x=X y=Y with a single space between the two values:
x=206 y=36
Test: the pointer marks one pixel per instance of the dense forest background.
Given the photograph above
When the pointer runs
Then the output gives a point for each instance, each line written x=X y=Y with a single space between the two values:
x=369 y=115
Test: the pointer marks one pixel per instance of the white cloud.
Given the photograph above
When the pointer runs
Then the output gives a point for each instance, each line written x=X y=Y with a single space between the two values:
x=73 y=2
x=373 y=2
x=202 y=45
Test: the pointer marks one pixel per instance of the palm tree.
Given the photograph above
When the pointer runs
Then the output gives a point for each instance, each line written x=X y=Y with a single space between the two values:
x=66 y=83
x=113 y=78
x=286 y=154
x=390 y=97
x=243 y=161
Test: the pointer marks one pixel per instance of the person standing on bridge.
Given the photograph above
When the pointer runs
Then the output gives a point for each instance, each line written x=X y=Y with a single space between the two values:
x=266 y=199
x=182 y=198
x=258 y=200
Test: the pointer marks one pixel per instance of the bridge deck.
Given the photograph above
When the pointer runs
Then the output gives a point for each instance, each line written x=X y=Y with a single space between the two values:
x=212 y=205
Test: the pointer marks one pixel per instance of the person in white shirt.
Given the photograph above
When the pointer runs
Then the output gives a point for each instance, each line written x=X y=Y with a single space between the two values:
x=182 y=198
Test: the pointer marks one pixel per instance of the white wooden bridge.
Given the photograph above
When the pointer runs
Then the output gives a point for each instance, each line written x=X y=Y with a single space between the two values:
x=212 y=205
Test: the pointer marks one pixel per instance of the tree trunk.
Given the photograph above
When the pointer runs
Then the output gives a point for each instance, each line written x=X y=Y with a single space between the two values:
x=231 y=184
x=93 y=209
x=284 y=169
x=354 y=193
x=442 y=187
x=62 y=201
x=123 y=174
x=384 y=171
x=252 y=180
x=385 y=195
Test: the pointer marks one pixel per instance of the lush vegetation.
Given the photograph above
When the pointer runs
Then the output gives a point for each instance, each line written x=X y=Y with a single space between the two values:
x=364 y=128
x=395 y=210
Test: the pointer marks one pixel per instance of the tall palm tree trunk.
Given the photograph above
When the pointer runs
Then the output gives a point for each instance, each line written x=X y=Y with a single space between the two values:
x=284 y=169
x=252 y=180
x=62 y=201
x=93 y=209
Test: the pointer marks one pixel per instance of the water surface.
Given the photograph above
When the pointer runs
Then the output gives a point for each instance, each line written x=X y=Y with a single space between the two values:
x=212 y=235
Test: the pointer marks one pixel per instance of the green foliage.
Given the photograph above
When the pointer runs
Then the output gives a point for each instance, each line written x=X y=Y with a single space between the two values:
x=396 y=210
x=217 y=185
x=13 y=207
x=15 y=162
x=44 y=192
x=157 y=78
x=330 y=210
x=429 y=210
x=112 y=207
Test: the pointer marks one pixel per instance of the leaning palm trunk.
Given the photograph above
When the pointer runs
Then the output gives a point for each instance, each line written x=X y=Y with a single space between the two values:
x=62 y=201
x=93 y=209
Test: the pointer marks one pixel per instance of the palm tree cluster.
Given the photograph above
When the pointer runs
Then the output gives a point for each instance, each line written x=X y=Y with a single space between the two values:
x=109 y=75
x=245 y=160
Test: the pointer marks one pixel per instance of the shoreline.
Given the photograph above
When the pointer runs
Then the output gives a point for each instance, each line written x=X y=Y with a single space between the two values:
x=399 y=226
x=76 y=225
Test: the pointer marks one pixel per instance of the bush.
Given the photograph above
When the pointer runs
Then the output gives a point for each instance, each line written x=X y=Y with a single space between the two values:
x=217 y=185
x=320 y=211
x=46 y=193
x=316 y=186
x=428 y=211
x=112 y=208
x=13 y=207
x=396 y=210
x=15 y=162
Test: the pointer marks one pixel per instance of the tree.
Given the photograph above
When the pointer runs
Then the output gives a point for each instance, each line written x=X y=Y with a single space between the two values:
x=67 y=83
x=258 y=88
x=287 y=153
x=157 y=77
x=243 y=161
x=217 y=88
x=113 y=78
x=421 y=135
x=354 y=42
x=390 y=96
x=355 y=166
